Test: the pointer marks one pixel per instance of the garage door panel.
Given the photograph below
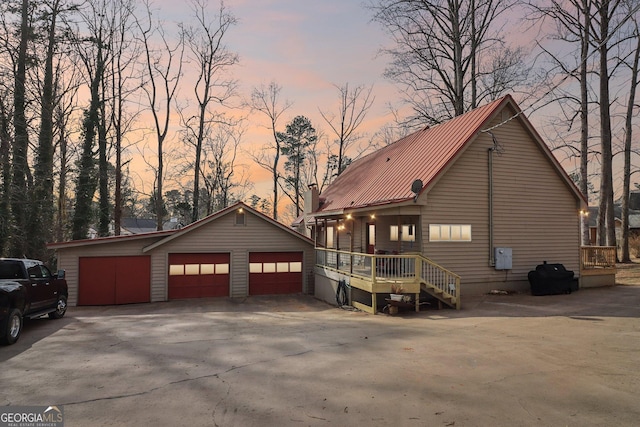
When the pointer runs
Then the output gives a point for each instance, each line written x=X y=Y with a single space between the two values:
x=114 y=280
x=130 y=277
x=96 y=281
x=198 y=275
x=273 y=273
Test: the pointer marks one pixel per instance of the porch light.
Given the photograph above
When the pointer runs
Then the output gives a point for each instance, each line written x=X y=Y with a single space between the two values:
x=372 y=216
x=349 y=216
x=584 y=212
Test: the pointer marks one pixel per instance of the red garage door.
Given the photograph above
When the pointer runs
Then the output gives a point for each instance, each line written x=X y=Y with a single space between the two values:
x=198 y=275
x=275 y=273
x=114 y=280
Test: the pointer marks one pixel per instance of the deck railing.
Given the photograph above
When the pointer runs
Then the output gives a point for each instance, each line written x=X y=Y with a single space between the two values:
x=442 y=279
x=381 y=272
x=597 y=257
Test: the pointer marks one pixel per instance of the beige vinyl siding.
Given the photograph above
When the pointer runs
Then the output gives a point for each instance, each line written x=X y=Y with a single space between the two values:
x=535 y=212
x=219 y=235
x=224 y=236
x=159 y=275
x=68 y=259
x=239 y=273
x=69 y=263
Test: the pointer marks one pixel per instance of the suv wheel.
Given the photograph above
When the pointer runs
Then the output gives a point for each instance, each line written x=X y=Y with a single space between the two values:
x=61 y=308
x=12 y=327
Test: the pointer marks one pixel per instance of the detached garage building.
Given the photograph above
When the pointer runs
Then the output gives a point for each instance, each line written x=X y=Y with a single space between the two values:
x=235 y=252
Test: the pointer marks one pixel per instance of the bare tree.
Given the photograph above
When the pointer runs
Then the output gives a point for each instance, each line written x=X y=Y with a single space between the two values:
x=573 y=23
x=631 y=107
x=94 y=53
x=605 y=28
x=20 y=175
x=449 y=56
x=211 y=58
x=42 y=208
x=5 y=171
x=219 y=166
x=163 y=72
x=352 y=110
x=123 y=83
x=266 y=100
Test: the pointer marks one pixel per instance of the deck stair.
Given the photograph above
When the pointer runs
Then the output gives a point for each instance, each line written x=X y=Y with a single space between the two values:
x=440 y=283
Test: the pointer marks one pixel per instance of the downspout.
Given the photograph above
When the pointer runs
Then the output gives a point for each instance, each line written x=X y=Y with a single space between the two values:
x=492 y=261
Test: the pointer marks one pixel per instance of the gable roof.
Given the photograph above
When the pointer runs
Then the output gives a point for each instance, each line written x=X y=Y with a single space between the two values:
x=221 y=213
x=163 y=237
x=386 y=176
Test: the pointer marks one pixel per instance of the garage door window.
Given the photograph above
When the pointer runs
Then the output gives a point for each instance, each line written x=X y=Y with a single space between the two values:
x=207 y=268
x=176 y=270
x=197 y=269
x=192 y=269
x=273 y=267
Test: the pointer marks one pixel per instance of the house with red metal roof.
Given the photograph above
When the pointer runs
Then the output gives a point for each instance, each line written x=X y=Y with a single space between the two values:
x=460 y=208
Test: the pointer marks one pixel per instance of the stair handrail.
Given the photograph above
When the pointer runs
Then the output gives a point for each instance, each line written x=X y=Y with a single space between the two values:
x=446 y=281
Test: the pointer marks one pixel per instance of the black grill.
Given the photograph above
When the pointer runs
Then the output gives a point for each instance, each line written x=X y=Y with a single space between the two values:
x=552 y=279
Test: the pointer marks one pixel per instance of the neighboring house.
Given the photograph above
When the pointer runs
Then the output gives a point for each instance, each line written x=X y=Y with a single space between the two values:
x=138 y=225
x=145 y=225
x=468 y=206
x=634 y=223
x=235 y=252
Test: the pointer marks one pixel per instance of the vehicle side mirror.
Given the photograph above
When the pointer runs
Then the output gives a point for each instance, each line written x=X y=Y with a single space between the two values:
x=60 y=274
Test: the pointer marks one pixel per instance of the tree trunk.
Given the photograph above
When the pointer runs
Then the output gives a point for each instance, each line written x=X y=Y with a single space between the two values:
x=606 y=223
x=625 y=256
x=41 y=215
x=103 y=168
x=584 y=117
x=62 y=181
x=5 y=173
x=86 y=184
x=19 y=188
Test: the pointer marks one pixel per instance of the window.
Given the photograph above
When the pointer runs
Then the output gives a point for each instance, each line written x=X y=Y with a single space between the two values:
x=449 y=233
x=176 y=270
x=192 y=269
x=207 y=269
x=197 y=269
x=408 y=233
x=275 y=267
x=240 y=217
x=372 y=234
x=329 y=237
x=393 y=233
x=35 y=272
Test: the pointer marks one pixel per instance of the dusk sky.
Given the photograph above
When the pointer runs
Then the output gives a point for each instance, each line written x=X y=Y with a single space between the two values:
x=307 y=47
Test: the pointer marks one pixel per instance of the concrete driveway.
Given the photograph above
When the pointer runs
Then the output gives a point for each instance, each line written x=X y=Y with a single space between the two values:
x=504 y=360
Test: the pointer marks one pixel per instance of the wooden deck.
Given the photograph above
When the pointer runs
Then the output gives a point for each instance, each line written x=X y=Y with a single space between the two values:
x=383 y=274
x=597 y=266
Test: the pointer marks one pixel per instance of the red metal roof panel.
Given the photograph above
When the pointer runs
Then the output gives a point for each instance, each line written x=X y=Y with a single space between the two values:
x=386 y=175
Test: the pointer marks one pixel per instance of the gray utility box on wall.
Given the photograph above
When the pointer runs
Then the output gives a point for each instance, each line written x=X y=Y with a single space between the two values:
x=504 y=258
